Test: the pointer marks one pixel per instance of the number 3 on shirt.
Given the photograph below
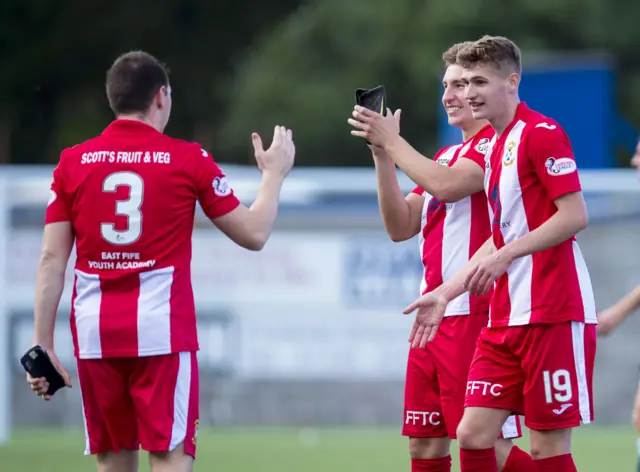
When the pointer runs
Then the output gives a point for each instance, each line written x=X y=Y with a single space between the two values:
x=129 y=208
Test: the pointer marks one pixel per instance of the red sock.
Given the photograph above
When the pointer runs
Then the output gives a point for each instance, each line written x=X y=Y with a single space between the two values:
x=431 y=465
x=563 y=463
x=478 y=460
x=519 y=461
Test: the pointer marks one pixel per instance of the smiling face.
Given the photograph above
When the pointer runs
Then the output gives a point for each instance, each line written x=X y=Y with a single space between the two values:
x=487 y=90
x=492 y=69
x=456 y=106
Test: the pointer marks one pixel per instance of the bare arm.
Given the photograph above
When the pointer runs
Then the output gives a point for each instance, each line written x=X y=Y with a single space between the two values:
x=615 y=315
x=455 y=286
x=431 y=306
x=57 y=245
x=448 y=184
x=628 y=304
x=570 y=219
x=401 y=216
x=251 y=227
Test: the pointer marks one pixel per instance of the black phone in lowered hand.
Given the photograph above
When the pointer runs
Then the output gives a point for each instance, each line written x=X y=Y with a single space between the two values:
x=38 y=364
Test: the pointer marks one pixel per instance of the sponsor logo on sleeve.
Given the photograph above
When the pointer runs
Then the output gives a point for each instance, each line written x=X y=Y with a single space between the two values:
x=483 y=145
x=546 y=125
x=220 y=186
x=560 y=166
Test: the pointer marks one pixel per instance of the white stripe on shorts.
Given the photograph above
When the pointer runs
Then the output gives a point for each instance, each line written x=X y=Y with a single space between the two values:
x=510 y=428
x=584 y=404
x=181 y=401
x=87 y=443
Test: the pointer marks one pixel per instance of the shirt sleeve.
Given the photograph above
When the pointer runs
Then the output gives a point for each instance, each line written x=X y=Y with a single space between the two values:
x=418 y=191
x=551 y=155
x=478 y=148
x=59 y=204
x=215 y=195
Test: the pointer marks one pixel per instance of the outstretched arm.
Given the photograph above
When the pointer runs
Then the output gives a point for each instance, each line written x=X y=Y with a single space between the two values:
x=457 y=284
x=249 y=227
x=448 y=184
x=570 y=219
x=430 y=308
x=615 y=315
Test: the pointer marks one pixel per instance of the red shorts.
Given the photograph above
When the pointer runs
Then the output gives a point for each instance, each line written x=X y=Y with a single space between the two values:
x=437 y=378
x=145 y=401
x=543 y=371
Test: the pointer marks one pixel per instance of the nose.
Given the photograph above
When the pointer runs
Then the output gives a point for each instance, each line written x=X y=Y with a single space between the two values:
x=469 y=92
x=447 y=96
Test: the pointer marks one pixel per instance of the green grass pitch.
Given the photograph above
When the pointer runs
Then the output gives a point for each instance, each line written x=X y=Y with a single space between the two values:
x=311 y=450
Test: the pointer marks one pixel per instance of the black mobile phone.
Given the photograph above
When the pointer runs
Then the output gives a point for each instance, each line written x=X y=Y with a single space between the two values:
x=374 y=99
x=37 y=363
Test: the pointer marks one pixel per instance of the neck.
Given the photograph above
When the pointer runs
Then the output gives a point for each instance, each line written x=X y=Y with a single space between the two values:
x=472 y=129
x=136 y=117
x=501 y=122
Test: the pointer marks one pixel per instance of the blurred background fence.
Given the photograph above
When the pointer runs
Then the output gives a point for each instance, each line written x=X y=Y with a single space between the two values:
x=310 y=331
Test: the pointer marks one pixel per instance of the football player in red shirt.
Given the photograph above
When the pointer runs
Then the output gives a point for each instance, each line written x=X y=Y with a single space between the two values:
x=453 y=222
x=537 y=355
x=127 y=198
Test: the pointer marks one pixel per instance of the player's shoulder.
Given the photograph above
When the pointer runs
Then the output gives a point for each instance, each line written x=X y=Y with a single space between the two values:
x=446 y=153
x=481 y=140
x=75 y=152
x=543 y=132
x=538 y=124
x=190 y=149
x=187 y=148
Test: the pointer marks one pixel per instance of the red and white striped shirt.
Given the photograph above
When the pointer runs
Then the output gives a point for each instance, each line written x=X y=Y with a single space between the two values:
x=452 y=232
x=130 y=196
x=528 y=167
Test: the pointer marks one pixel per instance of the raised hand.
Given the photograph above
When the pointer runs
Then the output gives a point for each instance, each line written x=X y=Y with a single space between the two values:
x=279 y=158
x=379 y=130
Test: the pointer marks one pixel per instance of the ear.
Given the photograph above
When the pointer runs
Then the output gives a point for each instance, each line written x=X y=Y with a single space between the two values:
x=161 y=96
x=513 y=81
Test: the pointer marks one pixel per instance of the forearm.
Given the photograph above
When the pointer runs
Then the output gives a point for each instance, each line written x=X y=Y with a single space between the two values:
x=49 y=288
x=629 y=303
x=557 y=229
x=454 y=286
x=264 y=209
x=394 y=208
x=435 y=178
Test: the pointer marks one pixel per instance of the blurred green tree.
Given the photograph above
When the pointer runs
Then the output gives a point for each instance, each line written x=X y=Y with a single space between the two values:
x=54 y=56
x=306 y=70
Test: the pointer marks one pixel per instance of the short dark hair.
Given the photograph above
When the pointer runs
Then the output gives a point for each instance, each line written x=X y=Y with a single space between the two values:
x=450 y=55
x=498 y=51
x=132 y=81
